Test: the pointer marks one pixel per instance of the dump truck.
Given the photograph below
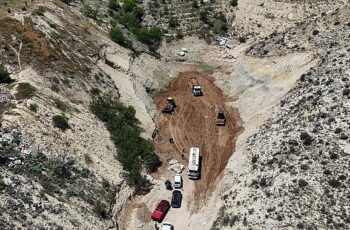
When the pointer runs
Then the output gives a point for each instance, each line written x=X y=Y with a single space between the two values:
x=169 y=105
x=195 y=86
x=220 y=118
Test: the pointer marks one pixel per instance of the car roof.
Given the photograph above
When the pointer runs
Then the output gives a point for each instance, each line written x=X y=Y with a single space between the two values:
x=166 y=226
x=177 y=192
x=162 y=205
x=177 y=178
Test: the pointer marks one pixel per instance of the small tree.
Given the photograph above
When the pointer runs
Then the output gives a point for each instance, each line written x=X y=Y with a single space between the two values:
x=60 y=122
x=90 y=12
x=100 y=209
x=25 y=91
x=5 y=75
x=234 y=3
x=173 y=22
x=114 y=5
x=117 y=36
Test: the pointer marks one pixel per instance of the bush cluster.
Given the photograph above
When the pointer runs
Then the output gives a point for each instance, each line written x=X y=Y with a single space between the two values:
x=25 y=91
x=5 y=75
x=130 y=15
x=133 y=150
x=60 y=122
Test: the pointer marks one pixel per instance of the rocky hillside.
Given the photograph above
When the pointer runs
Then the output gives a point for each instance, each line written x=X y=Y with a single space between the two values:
x=60 y=165
x=297 y=173
x=57 y=161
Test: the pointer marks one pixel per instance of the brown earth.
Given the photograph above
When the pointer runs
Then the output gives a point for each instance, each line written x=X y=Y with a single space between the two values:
x=193 y=124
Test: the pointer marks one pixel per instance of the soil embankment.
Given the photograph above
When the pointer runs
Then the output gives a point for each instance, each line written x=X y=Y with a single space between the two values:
x=193 y=124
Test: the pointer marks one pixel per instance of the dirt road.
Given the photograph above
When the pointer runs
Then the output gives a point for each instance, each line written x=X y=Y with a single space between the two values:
x=193 y=124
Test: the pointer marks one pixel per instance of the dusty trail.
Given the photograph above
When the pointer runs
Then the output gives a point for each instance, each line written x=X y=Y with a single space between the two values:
x=193 y=124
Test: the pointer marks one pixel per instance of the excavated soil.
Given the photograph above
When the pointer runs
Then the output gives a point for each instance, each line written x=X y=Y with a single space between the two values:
x=193 y=124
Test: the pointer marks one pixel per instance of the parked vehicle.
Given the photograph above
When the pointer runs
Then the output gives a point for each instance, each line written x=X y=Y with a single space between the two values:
x=160 y=211
x=177 y=181
x=195 y=87
x=194 y=162
x=176 y=199
x=170 y=105
x=221 y=119
x=168 y=185
x=167 y=226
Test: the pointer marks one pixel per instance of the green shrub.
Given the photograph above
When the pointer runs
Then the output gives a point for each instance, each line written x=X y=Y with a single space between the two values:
x=89 y=12
x=36 y=169
x=150 y=36
x=234 y=3
x=242 y=39
x=133 y=150
x=179 y=34
x=5 y=75
x=105 y=183
x=130 y=15
x=195 y=4
x=117 y=36
x=114 y=5
x=88 y=159
x=33 y=107
x=100 y=209
x=60 y=105
x=173 y=22
x=57 y=166
x=40 y=10
x=25 y=91
x=204 y=16
x=60 y=122
x=67 y=1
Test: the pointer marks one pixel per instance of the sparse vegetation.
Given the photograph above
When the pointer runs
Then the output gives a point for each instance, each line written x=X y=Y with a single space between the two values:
x=25 y=91
x=117 y=36
x=130 y=15
x=234 y=3
x=60 y=105
x=60 y=122
x=88 y=159
x=100 y=209
x=173 y=22
x=40 y=10
x=33 y=107
x=68 y=2
x=89 y=11
x=133 y=150
x=242 y=39
x=5 y=75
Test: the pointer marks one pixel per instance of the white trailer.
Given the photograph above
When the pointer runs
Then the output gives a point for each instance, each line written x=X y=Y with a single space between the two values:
x=194 y=163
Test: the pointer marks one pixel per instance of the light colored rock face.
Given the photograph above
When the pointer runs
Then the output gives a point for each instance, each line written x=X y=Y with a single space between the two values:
x=293 y=173
x=86 y=59
x=261 y=18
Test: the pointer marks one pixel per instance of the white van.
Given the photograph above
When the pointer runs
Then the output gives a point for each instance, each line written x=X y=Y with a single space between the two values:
x=177 y=181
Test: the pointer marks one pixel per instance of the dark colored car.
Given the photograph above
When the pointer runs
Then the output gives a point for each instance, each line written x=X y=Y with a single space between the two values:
x=160 y=211
x=168 y=185
x=176 y=199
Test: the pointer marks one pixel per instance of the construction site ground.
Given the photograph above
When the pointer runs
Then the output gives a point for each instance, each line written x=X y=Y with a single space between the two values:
x=193 y=125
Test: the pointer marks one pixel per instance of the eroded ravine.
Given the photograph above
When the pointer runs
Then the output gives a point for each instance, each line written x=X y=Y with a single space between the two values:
x=193 y=124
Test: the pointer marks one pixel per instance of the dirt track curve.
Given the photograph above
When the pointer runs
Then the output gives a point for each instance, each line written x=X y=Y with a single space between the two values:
x=193 y=124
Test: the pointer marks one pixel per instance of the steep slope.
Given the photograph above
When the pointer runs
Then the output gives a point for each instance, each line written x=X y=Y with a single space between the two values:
x=66 y=176
x=296 y=170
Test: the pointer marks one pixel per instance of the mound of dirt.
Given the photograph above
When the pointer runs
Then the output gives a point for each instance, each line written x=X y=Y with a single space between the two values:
x=193 y=125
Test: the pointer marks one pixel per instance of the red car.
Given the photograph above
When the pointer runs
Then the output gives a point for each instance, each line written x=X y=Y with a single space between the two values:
x=161 y=210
